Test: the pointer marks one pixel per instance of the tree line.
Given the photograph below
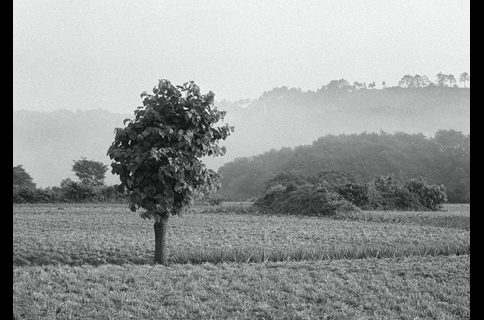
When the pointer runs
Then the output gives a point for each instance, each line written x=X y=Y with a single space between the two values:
x=90 y=186
x=442 y=159
x=407 y=81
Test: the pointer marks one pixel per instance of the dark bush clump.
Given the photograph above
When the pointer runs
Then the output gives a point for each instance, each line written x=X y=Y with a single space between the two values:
x=379 y=193
x=389 y=193
x=310 y=200
x=30 y=195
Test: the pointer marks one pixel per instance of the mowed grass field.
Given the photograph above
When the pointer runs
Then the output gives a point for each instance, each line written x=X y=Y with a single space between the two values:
x=95 y=262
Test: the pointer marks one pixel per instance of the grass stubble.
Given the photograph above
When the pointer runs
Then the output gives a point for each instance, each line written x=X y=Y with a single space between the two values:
x=96 y=263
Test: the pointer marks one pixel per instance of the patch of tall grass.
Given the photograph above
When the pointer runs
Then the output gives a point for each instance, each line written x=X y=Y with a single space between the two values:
x=262 y=255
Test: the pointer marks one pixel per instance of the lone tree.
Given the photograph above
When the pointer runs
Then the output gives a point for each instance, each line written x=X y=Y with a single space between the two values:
x=157 y=155
x=90 y=172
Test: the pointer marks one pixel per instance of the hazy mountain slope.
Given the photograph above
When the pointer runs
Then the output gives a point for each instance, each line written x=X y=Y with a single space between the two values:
x=46 y=143
x=288 y=117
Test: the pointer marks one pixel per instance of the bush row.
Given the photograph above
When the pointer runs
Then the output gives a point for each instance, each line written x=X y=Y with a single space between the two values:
x=70 y=191
x=379 y=193
x=311 y=200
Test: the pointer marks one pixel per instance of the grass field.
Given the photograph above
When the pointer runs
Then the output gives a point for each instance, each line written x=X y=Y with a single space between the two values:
x=95 y=262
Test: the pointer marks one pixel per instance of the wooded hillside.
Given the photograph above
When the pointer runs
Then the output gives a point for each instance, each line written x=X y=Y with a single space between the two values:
x=47 y=143
x=442 y=159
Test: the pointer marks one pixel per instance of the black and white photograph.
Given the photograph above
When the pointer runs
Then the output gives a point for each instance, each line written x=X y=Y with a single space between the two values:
x=256 y=159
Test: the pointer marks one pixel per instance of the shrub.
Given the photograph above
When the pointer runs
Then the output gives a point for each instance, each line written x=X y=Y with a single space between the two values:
x=390 y=193
x=379 y=193
x=307 y=199
x=22 y=194
x=273 y=193
x=356 y=193
x=215 y=200
x=77 y=191
x=110 y=193
x=385 y=193
x=430 y=196
x=30 y=195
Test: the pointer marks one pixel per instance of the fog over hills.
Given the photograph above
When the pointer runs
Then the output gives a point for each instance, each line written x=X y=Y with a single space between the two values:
x=47 y=143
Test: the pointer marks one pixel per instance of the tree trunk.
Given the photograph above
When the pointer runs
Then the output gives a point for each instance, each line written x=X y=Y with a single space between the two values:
x=161 y=252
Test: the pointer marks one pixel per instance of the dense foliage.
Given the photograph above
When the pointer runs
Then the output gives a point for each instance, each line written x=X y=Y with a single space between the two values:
x=24 y=189
x=157 y=155
x=90 y=172
x=332 y=196
x=21 y=178
x=90 y=188
x=442 y=159
x=69 y=192
x=309 y=200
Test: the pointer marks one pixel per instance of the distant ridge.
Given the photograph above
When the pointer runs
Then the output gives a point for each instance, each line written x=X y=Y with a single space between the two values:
x=46 y=143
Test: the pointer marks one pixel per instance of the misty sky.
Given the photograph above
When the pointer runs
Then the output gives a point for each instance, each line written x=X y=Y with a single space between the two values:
x=103 y=54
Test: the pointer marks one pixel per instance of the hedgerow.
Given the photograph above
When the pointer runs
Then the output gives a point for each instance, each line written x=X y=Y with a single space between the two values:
x=379 y=193
x=311 y=200
x=70 y=192
x=390 y=193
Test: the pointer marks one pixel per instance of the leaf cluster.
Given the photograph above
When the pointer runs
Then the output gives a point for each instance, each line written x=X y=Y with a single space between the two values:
x=157 y=154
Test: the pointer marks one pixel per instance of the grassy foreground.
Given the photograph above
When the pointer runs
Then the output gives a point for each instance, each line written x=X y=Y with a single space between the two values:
x=95 y=262
x=408 y=288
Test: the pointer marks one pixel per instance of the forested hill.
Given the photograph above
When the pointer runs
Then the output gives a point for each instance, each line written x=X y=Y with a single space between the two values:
x=442 y=159
x=47 y=143
x=286 y=117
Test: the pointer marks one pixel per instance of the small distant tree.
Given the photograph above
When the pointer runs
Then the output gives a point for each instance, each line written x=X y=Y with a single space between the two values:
x=451 y=79
x=426 y=81
x=384 y=84
x=90 y=172
x=441 y=79
x=407 y=82
x=464 y=77
x=372 y=85
x=357 y=85
x=157 y=155
x=21 y=178
x=421 y=81
x=341 y=84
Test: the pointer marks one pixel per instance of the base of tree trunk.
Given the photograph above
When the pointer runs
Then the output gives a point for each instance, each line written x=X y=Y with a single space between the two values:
x=161 y=252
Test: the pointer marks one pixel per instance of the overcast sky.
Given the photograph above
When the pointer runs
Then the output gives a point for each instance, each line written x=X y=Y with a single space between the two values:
x=103 y=54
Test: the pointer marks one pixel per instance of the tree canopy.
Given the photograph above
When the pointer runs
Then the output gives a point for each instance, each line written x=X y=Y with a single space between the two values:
x=90 y=172
x=157 y=155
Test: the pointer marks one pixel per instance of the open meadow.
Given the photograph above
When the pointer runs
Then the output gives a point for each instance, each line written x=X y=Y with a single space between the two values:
x=95 y=261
